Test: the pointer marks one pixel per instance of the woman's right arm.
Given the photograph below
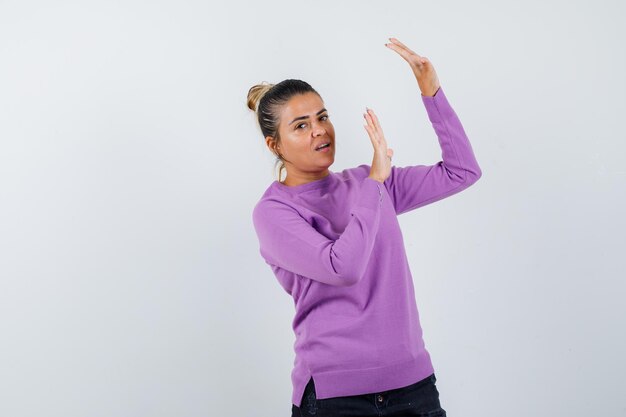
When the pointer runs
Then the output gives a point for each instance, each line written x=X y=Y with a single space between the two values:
x=287 y=240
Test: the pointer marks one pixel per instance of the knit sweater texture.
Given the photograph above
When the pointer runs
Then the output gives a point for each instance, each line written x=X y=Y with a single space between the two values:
x=336 y=247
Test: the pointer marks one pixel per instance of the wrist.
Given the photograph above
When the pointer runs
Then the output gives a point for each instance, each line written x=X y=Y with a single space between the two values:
x=430 y=92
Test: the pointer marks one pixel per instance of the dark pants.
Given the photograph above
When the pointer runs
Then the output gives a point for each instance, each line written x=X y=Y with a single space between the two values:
x=418 y=399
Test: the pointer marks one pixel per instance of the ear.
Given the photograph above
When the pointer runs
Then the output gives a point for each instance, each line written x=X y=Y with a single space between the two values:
x=271 y=143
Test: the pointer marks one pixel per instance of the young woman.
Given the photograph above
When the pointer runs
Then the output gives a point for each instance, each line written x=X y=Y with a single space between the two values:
x=335 y=245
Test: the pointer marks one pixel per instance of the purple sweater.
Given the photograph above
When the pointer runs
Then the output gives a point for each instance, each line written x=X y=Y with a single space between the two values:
x=336 y=247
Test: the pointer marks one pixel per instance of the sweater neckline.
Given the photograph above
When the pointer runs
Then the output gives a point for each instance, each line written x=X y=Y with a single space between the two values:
x=311 y=185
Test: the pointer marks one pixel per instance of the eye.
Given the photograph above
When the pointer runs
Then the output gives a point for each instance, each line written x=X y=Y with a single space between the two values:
x=325 y=117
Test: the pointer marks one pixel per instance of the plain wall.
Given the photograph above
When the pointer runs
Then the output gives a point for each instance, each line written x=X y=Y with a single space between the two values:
x=131 y=282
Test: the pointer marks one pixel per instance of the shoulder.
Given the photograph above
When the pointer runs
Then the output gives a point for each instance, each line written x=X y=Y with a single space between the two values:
x=270 y=196
x=359 y=172
x=272 y=207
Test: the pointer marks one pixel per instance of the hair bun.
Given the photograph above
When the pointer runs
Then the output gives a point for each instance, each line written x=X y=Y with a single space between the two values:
x=255 y=94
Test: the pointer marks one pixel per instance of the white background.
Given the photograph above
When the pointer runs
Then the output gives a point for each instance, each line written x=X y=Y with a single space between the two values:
x=130 y=278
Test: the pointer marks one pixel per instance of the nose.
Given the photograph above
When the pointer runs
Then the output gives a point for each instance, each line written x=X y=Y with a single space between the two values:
x=318 y=130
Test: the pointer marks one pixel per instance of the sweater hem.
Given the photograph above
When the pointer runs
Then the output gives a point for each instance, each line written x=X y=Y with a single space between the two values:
x=370 y=380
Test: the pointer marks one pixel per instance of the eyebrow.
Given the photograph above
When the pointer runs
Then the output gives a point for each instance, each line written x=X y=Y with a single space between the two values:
x=306 y=117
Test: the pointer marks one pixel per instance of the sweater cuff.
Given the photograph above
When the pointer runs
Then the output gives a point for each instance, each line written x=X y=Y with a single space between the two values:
x=437 y=106
x=371 y=195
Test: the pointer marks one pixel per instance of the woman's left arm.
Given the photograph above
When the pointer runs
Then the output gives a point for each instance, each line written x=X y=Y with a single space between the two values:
x=414 y=186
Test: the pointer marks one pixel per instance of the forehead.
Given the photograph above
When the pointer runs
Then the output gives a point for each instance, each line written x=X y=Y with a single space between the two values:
x=302 y=105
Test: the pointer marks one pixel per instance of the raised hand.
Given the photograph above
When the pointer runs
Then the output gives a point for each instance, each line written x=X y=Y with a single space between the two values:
x=422 y=67
x=381 y=164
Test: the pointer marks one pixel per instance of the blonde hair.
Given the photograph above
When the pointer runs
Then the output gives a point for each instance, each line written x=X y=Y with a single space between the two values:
x=266 y=100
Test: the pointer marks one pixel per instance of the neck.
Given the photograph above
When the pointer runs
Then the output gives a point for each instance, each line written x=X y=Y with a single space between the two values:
x=303 y=178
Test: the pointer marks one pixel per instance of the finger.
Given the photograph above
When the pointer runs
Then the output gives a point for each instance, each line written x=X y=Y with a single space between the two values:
x=379 y=129
x=406 y=55
x=368 y=117
x=410 y=56
x=403 y=46
x=375 y=119
x=370 y=133
x=372 y=137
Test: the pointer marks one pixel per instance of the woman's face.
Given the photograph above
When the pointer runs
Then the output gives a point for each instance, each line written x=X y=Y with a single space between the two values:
x=305 y=125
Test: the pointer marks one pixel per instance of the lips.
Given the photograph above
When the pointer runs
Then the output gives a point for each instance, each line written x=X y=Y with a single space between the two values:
x=317 y=148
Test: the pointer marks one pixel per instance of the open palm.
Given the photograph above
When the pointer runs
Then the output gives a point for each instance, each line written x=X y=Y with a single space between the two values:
x=422 y=67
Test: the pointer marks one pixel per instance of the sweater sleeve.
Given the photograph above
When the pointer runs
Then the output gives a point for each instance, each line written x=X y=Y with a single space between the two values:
x=415 y=186
x=287 y=240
